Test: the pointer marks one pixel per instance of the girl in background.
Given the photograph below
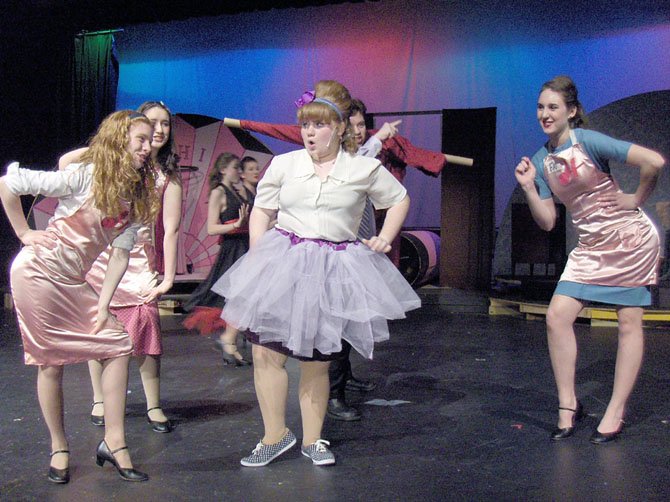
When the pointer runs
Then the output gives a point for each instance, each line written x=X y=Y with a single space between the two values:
x=227 y=214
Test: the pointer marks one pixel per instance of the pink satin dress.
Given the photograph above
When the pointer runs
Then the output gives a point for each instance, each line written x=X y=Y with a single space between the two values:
x=616 y=247
x=141 y=319
x=56 y=307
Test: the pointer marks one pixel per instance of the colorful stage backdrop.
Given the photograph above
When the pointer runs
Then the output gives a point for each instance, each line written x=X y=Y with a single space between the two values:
x=403 y=55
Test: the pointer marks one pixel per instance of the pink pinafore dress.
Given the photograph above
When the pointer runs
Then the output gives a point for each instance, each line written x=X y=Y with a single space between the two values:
x=616 y=248
x=55 y=306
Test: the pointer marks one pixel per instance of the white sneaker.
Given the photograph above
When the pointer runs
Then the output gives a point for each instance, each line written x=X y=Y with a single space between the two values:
x=263 y=454
x=319 y=452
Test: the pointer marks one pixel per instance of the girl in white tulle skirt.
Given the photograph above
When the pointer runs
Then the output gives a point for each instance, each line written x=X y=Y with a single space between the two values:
x=307 y=283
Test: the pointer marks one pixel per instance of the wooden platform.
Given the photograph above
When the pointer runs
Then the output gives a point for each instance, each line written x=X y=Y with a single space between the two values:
x=596 y=316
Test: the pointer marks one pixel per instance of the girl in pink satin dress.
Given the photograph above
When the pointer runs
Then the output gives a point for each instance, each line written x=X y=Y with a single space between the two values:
x=62 y=320
x=616 y=259
x=135 y=301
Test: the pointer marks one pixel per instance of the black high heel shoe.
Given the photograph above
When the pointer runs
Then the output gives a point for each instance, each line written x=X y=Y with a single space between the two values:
x=230 y=359
x=97 y=419
x=565 y=432
x=605 y=437
x=59 y=476
x=162 y=427
x=103 y=454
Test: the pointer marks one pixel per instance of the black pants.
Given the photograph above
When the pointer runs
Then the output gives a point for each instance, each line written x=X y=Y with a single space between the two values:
x=340 y=371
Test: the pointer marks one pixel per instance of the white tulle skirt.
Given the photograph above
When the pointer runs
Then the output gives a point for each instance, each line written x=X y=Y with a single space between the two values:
x=308 y=294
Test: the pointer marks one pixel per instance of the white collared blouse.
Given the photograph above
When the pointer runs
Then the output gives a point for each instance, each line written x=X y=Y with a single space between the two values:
x=329 y=209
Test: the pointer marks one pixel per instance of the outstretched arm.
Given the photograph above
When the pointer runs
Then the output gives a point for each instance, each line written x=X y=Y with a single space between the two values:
x=428 y=161
x=284 y=132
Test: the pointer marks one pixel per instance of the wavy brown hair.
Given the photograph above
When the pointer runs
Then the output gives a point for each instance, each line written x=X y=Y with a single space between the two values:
x=222 y=161
x=116 y=182
x=337 y=94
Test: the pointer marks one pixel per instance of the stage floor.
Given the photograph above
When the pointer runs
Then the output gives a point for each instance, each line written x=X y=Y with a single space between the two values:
x=479 y=403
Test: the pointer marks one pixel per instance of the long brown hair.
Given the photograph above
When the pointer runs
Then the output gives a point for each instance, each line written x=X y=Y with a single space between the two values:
x=167 y=158
x=115 y=179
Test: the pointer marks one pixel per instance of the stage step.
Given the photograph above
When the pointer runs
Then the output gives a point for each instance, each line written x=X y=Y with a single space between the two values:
x=596 y=316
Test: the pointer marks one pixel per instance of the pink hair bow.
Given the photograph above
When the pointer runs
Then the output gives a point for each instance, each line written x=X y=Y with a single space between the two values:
x=307 y=97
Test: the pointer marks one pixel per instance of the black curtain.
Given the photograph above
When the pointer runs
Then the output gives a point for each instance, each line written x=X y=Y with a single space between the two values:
x=95 y=78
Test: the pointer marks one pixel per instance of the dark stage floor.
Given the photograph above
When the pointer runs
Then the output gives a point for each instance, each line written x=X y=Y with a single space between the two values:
x=480 y=406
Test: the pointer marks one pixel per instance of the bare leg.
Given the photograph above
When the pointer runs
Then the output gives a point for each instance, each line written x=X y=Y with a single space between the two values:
x=314 y=391
x=50 y=396
x=628 y=363
x=271 y=382
x=114 y=387
x=95 y=370
x=561 y=316
x=150 y=371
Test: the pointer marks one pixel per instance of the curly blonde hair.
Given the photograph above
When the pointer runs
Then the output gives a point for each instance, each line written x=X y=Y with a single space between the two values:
x=116 y=182
x=337 y=94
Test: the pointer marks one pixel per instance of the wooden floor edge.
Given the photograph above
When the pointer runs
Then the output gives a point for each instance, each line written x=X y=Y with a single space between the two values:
x=597 y=315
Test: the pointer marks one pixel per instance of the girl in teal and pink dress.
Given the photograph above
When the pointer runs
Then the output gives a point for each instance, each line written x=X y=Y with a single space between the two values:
x=616 y=259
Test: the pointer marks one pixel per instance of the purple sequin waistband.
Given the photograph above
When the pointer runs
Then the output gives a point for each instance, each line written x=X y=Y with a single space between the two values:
x=295 y=239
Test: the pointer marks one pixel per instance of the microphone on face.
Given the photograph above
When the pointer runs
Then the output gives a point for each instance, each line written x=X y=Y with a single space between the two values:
x=331 y=138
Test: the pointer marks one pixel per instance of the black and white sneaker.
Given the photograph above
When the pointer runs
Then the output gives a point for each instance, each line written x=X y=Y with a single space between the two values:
x=319 y=452
x=263 y=454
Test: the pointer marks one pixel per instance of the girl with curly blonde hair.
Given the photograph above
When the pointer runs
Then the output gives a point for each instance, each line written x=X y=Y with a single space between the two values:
x=61 y=318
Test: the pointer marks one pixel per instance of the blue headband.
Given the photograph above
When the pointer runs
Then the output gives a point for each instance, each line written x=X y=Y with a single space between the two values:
x=309 y=97
x=332 y=105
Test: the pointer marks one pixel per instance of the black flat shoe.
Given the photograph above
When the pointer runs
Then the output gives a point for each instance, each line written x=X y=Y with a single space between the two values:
x=59 y=476
x=605 y=437
x=338 y=409
x=102 y=455
x=577 y=414
x=356 y=385
x=162 y=427
x=97 y=419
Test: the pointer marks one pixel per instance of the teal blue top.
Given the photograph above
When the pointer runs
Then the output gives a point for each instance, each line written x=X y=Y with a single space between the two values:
x=599 y=147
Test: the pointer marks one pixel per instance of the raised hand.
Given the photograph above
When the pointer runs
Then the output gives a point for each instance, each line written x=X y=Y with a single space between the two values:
x=388 y=130
x=525 y=172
